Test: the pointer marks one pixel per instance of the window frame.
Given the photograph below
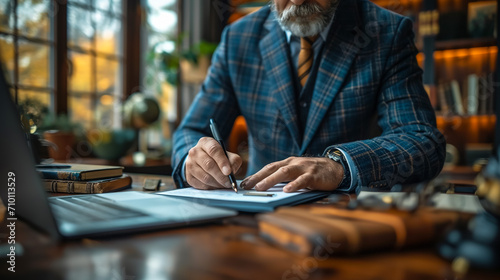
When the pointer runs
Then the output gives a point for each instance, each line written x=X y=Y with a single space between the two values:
x=58 y=56
x=50 y=43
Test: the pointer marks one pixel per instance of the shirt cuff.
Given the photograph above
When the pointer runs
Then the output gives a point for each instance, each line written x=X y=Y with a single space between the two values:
x=183 y=169
x=354 y=174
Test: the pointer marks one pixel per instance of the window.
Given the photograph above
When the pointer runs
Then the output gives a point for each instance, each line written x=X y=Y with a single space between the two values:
x=28 y=44
x=27 y=49
x=95 y=55
x=93 y=36
x=159 y=35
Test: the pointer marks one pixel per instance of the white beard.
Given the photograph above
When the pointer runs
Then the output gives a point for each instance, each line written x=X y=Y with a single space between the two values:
x=306 y=20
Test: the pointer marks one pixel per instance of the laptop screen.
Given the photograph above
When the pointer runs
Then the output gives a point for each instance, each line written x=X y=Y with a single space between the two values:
x=20 y=188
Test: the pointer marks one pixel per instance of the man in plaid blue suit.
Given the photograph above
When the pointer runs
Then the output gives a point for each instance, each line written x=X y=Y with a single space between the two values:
x=314 y=134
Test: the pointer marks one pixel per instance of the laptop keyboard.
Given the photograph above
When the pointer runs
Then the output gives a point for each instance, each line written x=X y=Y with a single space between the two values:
x=89 y=209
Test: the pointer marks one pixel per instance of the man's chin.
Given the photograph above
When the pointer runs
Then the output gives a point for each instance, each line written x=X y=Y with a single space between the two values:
x=304 y=28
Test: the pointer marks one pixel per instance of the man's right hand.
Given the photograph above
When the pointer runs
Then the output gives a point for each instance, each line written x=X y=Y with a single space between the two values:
x=207 y=167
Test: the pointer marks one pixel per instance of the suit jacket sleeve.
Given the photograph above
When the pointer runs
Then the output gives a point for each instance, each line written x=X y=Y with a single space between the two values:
x=410 y=149
x=215 y=100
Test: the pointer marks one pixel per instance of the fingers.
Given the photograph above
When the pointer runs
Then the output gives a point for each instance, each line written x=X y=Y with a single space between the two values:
x=284 y=173
x=195 y=183
x=302 y=172
x=203 y=164
x=236 y=161
x=215 y=151
x=302 y=182
x=206 y=170
x=250 y=182
x=206 y=163
x=271 y=175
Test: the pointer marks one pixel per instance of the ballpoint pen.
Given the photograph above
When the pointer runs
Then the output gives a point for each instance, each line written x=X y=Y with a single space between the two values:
x=215 y=133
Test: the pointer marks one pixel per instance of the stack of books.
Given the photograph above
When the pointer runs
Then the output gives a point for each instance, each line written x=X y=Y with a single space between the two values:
x=83 y=178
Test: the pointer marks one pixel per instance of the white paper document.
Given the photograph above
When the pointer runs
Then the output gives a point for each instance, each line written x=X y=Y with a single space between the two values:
x=230 y=195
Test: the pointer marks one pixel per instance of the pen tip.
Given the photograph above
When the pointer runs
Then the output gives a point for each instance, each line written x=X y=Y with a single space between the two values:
x=235 y=188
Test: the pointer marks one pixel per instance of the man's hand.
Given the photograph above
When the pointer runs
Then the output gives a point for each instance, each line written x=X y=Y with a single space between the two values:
x=207 y=167
x=303 y=173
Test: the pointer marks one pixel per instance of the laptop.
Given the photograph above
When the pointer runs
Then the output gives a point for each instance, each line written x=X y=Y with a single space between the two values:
x=78 y=216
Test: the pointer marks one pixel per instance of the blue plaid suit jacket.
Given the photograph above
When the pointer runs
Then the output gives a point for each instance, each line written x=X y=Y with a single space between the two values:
x=368 y=68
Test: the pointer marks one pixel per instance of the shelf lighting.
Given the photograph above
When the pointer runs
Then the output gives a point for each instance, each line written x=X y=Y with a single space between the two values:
x=448 y=54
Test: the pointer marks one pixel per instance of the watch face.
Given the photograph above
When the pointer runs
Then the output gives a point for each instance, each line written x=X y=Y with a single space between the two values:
x=334 y=156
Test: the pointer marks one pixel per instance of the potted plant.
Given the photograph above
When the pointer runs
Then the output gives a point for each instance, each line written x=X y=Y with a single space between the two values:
x=195 y=62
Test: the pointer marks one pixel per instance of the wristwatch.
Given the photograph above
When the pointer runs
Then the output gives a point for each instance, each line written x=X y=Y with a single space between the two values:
x=337 y=156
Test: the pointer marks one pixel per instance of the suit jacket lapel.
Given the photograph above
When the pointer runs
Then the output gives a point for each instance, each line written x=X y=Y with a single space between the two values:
x=338 y=55
x=274 y=51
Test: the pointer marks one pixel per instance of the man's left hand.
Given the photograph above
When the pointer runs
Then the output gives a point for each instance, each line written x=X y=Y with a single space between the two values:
x=312 y=173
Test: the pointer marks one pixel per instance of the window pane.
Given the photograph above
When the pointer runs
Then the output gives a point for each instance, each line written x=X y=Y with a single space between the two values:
x=161 y=28
x=83 y=2
x=110 y=6
x=108 y=35
x=7 y=56
x=105 y=110
x=43 y=97
x=80 y=30
x=107 y=75
x=6 y=15
x=162 y=16
x=34 y=18
x=80 y=72
x=34 y=64
x=80 y=110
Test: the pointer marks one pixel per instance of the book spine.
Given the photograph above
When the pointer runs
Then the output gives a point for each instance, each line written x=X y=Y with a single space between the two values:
x=482 y=96
x=442 y=99
x=491 y=95
x=472 y=101
x=457 y=98
x=65 y=186
x=61 y=175
x=449 y=99
x=73 y=187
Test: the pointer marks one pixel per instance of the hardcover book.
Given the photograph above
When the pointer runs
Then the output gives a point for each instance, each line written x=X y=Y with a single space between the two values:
x=457 y=98
x=93 y=186
x=443 y=103
x=80 y=172
x=473 y=96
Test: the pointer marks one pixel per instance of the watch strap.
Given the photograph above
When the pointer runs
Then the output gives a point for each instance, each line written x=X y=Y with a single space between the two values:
x=338 y=156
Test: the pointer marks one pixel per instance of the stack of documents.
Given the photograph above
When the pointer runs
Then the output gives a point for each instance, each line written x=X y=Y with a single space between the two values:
x=247 y=200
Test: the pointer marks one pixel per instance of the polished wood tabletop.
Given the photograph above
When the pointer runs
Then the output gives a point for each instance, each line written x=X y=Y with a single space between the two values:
x=227 y=249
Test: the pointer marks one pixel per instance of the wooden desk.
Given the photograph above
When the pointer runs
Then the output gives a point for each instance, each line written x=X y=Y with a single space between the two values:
x=230 y=249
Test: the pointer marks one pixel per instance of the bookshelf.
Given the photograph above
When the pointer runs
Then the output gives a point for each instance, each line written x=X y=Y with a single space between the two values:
x=459 y=60
x=458 y=54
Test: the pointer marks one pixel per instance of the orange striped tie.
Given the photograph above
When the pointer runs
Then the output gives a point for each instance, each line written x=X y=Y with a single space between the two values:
x=306 y=57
